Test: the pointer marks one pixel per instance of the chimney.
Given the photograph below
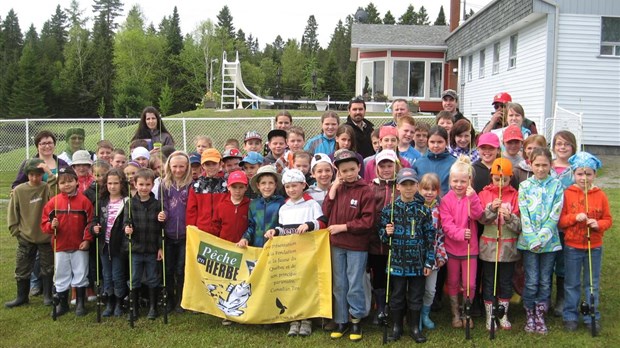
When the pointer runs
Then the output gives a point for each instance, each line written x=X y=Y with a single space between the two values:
x=455 y=14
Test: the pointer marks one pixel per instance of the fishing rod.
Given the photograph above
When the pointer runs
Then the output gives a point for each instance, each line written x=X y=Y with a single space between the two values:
x=98 y=281
x=384 y=316
x=55 y=296
x=131 y=293
x=497 y=311
x=589 y=309
x=164 y=297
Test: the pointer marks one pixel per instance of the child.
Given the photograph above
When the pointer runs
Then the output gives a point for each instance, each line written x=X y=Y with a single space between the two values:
x=206 y=193
x=252 y=141
x=100 y=169
x=130 y=170
x=585 y=217
x=459 y=209
x=301 y=161
x=104 y=150
x=81 y=164
x=374 y=138
x=295 y=139
x=299 y=214
x=66 y=216
x=406 y=129
x=429 y=189
x=137 y=143
x=250 y=163
x=503 y=209
x=195 y=168
x=322 y=171
x=277 y=144
x=540 y=204
x=231 y=143
x=388 y=136
x=420 y=137
x=141 y=156
x=437 y=159
x=325 y=142
x=143 y=222
x=119 y=158
x=513 y=142
x=230 y=219
x=350 y=210
x=108 y=227
x=156 y=164
x=407 y=226
x=26 y=202
x=175 y=191
x=382 y=186
x=461 y=137
x=230 y=160
x=202 y=142
x=445 y=120
x=345 y=140
x=263 y=211
x=524 y=170
x=488 y=149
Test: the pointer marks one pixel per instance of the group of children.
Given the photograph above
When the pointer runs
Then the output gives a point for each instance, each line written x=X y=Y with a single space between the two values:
x=403 y=214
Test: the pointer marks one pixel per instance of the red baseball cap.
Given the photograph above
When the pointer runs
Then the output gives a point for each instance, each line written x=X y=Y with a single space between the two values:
x=237 y=177
x=502 y=97
x=513 y=132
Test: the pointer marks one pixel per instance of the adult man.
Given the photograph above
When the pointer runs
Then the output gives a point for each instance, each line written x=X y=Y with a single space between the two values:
x=361 y=126
x=498 y=120
x=400 y=108
x=450 y=103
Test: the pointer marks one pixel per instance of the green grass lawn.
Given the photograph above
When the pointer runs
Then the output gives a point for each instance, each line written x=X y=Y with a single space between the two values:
x=31 y=325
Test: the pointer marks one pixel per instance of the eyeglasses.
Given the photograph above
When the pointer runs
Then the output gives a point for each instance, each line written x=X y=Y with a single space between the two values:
x=77 y=138
x=47 y=143
x=558 y=144
x=498 y=105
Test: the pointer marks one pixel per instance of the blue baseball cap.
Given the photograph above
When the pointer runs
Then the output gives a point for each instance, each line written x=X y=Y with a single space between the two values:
x=252 y=158
x=194 y=158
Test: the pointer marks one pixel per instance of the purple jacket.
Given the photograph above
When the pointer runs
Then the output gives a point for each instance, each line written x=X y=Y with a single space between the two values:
x=175 y=204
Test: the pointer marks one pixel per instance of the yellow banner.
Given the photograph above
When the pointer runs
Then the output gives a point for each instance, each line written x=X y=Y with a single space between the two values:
x=288 y=279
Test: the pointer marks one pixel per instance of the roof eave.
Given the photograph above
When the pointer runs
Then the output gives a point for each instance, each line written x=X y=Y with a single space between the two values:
x=400 y=47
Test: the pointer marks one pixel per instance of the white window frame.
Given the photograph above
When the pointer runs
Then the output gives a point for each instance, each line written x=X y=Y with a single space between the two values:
x=427 y=78
x=512 y=55
x=470 y=63
x=371 y=77
x=496 y=53
x=482 y=59
x=614 y=45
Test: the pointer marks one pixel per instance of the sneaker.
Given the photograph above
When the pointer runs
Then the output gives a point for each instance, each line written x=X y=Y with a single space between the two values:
x=226 y=322
x=306 y=328
x=293 y=329
x=340 y=330
x=570 y=326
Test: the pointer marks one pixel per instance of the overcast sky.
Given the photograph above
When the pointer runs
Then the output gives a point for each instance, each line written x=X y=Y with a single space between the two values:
x=264 y=19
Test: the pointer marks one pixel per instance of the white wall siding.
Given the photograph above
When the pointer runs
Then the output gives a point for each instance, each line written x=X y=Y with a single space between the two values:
x=588 y=83
x=525 y=83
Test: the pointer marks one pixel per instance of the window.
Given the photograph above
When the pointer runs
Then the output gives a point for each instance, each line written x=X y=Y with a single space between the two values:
x=470 y=63
x=512 y=58
x=373 y=78
x=482 y=59
x=417 y=78
x=436 y=79
x=416 y=81
x=610 y=36
x=496 y=58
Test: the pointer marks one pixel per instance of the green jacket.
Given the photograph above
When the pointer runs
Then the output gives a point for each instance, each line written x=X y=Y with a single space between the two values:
x=25 y=209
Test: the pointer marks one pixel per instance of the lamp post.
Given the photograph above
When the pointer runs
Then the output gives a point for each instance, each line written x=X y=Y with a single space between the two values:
x=214 y=60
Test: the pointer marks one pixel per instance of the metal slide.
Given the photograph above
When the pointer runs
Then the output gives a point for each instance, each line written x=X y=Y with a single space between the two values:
x=232 y=81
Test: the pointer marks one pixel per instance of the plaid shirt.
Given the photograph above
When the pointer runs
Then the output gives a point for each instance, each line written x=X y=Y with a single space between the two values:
x=146 y=237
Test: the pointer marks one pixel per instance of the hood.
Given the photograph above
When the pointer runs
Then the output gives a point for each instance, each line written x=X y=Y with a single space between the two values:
x=437 y=157
x=576 y=189
x=505 y=190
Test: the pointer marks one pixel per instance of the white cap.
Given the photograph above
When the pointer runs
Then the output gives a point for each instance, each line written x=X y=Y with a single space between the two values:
x=293 y=175
x=319 y=158
x=140 y=152
x=389 y=155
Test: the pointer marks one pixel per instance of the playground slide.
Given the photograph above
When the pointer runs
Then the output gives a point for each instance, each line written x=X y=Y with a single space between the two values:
x=244 y=90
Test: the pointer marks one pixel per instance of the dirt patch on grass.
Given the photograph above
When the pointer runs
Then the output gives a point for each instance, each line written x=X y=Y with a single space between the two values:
x=610 y=173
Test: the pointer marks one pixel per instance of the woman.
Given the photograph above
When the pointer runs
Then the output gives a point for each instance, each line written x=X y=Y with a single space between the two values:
x=45 y=141
x=151 y=128
x=515 y=116
x=75 y=138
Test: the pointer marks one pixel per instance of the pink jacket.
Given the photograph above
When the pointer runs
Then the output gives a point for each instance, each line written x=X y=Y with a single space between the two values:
x=455 y=219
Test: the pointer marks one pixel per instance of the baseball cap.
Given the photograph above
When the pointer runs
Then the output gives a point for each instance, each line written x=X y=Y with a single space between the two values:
x=449 y=93
x=32 y=165
x=387 y=130
x=276 y=133
x=140 y=152
x=319 y=158
x=345 y=155
x=252 y=158
x=252 y=135
x=501 y=166
x=81 y=157
x=67 y=170
x=512 y=132
x=264 y=170
x=488 y=138
x=194 y=158
x=293 y=175
x=210 y=154
x=232 y=153
x=237 y=177
x=501 y=97
x=384 y=155
x=406 y=174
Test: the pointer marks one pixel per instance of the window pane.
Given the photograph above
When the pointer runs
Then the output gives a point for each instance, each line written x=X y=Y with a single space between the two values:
x=618 y=50
x=367 y=78
x=436 y=83
x=400 y=80
x=610 y=29
x=416 y=82
x=607 y=50
x=378 y=85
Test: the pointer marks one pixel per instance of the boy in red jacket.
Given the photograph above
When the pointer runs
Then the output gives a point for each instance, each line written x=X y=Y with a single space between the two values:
x=66 y=216
x=206 y=193
x=230 y=219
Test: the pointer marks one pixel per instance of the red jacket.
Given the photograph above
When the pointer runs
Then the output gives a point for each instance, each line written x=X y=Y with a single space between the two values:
x=354 y=206
x=575 y=233
x=204 y=195
x=230 y=220
x=74 y=214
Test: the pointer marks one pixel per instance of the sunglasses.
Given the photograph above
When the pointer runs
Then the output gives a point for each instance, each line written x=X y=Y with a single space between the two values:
x=498 y=105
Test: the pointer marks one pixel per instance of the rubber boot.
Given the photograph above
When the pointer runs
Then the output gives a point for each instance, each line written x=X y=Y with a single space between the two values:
x=46 y=287
x=152 y=304
x=379 y=295
x=539 y=317
x=457 y=322
x=397 y=328
x=559 y=297
x=356 y=329
x=488 y=308
x=425 y=319
x=63 y=303
x=414 y=327
x=23 y=289
x=530 y=325
x=80 y=298
x=109 y=307
x=504 y=323
x=171 y=300
x=118 y=307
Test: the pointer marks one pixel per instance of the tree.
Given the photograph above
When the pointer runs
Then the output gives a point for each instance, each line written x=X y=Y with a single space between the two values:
x=292 y=74
x=225 y=22
x=101 y=67
x=309 y=41
x=332 y=79
x=28 y=95
x=389 y=18
x=422 y=17
x=10 y=53
x=373 y=14
x=441 y=17
x=109 y=9
x=53 y=39
x=166 y=99
x=172 y=33
x=469 y=14
x=410 y=16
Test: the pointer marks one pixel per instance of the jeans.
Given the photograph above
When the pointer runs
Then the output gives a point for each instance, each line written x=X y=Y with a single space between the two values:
x=538 y=271
x=348 y=272
x=559 y=268
x=35 y=276
x=407 y=292
x=175 y=263
x=505 y=270
x=430 y=288
x=576 y=261
x=144 y=263
x=113 y=269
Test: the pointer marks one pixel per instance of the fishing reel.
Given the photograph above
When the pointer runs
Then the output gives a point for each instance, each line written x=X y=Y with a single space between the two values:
x=585 y=308
x=383 y=318
x=499 y=310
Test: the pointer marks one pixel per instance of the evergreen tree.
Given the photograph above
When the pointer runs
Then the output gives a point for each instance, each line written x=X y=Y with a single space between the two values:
x=309 y=41
x=174 y=39
x=332 y=80
x=410 y=16
x=389 y=18
x=422 y=17
x=374 y=17
x=10 y=53
x=225 y=22
x=441 y=17
x=28 y=96
x=109 y=9
x=292 y=74
x=166 y=99
x=101 y=67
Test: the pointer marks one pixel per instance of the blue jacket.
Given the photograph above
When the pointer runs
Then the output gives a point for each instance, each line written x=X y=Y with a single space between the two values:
x=320 y=144
x=262 y=216
x=439 y=164
x=413 y=239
